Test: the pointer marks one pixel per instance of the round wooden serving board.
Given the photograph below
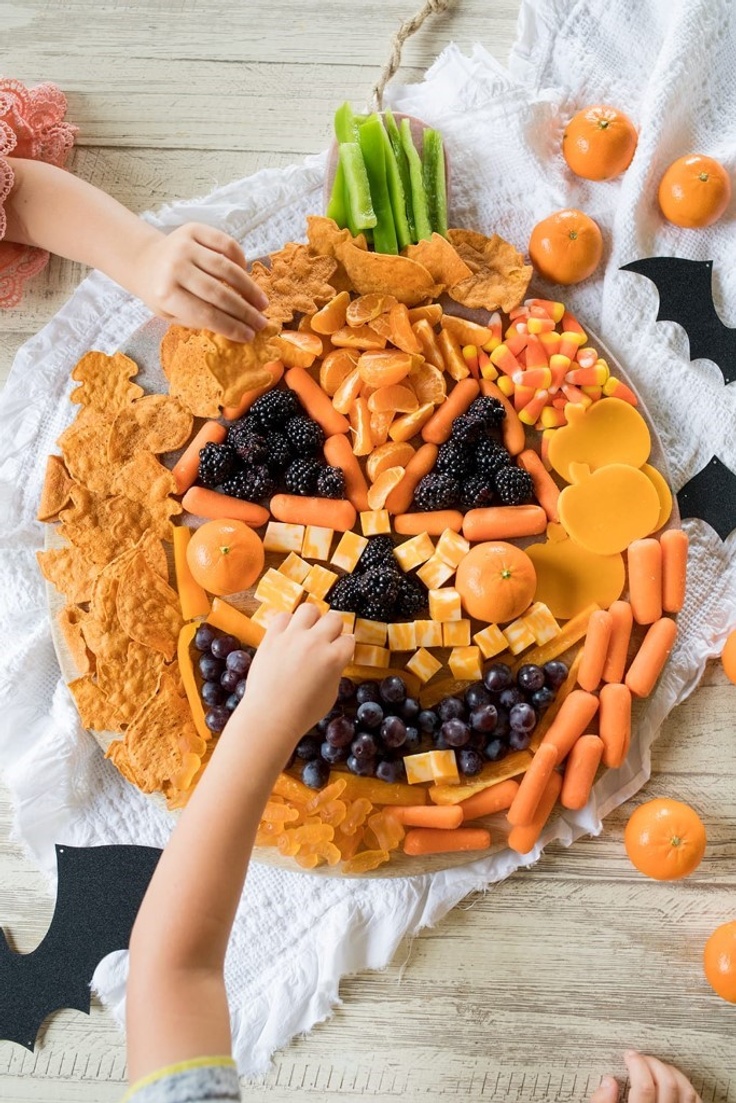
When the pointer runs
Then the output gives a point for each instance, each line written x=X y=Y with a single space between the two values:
x=143 y=348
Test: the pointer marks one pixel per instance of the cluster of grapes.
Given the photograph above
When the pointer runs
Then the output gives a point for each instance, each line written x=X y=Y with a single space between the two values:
x=224 y=667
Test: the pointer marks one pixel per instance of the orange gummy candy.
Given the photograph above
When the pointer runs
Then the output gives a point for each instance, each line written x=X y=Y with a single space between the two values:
x=308 y=861
x=357 y=813
x=366 y=861
x=348 y=845
x=326 y=795
x=386 y=829
x=333 y=813
x=276 y=812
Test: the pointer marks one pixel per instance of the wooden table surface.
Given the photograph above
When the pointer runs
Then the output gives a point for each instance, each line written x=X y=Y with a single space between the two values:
x=532 y=990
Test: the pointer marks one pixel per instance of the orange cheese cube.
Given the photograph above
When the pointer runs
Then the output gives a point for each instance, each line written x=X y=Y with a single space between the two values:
x=348 y=620
x=419 y=768
x=283 y=537
x=375 y=521
x=402 y=637
x=541 y=623
x=322 y=606
x=456 y=633
x=370 y=631
x=445 y=605
x=319 y=580
x=423 y=664
x=491 y=641
x=415 y=551
x=444 y=767
x=348 y=551
x=451 y=547
x=295 y=568
x=368 y=655
x=317 y=542
x=435 y=572
x=264 y=614
x=279 y=591
x=464 y=662
x=518 y=635
x=428 y=633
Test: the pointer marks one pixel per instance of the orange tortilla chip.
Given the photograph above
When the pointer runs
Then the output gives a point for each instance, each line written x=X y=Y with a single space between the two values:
x=499 y=277
x=191 y=381
x=440 y=259
x=148 y=608
x=145 y=480
x=156 y=423
x=128 y=685
x=174 y=336
x=239 y=367
x=71 y=571
x=94 y=709
x=296 y=282
x=405 y=279
x=84 y=449
x=103 y=527
x=70 y=620
x=324 y=236
x=105 y=381
x=55 y=491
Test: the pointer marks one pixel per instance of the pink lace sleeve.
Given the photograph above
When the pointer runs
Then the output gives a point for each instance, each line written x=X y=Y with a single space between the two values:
x=32 y=126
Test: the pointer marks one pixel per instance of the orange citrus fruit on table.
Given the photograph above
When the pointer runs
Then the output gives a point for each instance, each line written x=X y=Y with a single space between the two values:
x=665 y=839
x=496 y=581
x=694 y=191
x=599 y=142
x=728 y=657
x=225 y=557
x=719 y=961
x=566 y=247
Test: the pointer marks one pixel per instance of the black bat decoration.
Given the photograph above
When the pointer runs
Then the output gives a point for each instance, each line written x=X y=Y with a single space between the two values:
x=100 y=890
x=711 y=495
x=686 y=297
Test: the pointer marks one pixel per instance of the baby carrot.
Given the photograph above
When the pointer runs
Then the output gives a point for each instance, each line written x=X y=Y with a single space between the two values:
x=339 y=453
x=437 y=430
x=428 y=840
x=580 y=770
x=232 y=413
x=192 y=598
x=443 y=817
x=649 y=660
x=186 y=468
x=512 y=430
x=545 y=488
x=420 y=464
x=210 y=504
x=595 y=650
x=614 y=723
x=578 y=709
x=433 y=522
x=504 y=522
x=645 y=580
x=330 y=513
x=317 y=404
x=622 y=620
x=532 y=786
x=497 y=798
x=523 y=838
x=674 y=544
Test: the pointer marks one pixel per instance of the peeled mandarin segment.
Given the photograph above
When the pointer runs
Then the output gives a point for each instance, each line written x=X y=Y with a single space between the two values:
x=395 y=398
x=347 y=392
x=382 y=369
x=569 y=578
x=335 y=367
x=429 y=384
x=608 y=509
x=663 y=493
x=332 y=316
x=360 y=423
x=400 y=332
x=610 y=432
x=363 y=337
x=383 y=486
x=408 y=425
x=392 y=454
x=380 y=425
x=367 y=307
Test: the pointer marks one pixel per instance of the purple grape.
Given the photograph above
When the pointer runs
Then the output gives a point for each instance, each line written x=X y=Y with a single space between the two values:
x=543 y=698
x=476 y=696
x=203 y=637
x=555 y=673
x=369 y=715
x=210 y=668
x=229 y=680
x=451 y=708
x=216 y=718
x=232 y=703
x=240 y=689
x=340 y=731
x=212 y=693
x=519 y=741
x=223 y=645
x=523 y=718
x=477 y=739
x=496 y=749
x=439 y=741
x=469 y=762
x=391 y=770
x=362 y=767
x=428 y=721
x=510 y=697
x=345 y=690
x=367 y=691
x=410 y=709
x=393 y=731
x=393 y=690
x=484 y=719
x=364 y=746
x=502 y=727
x=324 y=723
x=333 y=755
x=456 y=732
x=316 y=773
x=308 y=747
x=412 y=742
x=497 y=678
x=239 y=661
x=530 y=677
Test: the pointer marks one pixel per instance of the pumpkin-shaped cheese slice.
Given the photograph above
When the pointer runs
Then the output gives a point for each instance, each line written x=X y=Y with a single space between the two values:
x=663 y=493
x=570 y=578
x=610 y=431
x=605 y=510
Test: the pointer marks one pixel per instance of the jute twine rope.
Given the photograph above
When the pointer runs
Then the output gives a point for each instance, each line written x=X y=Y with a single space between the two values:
x=406 y=30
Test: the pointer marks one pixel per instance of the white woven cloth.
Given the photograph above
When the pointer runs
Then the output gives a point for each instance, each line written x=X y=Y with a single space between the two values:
x=672 y=65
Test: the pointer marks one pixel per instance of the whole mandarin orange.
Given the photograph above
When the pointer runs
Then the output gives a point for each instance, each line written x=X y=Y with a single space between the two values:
x=566 y=247
x=719 y=961
x=728 y=657
x=496 y=581
x=665 y=839
x=225 y=557
x=599 y=142
x=694 y=191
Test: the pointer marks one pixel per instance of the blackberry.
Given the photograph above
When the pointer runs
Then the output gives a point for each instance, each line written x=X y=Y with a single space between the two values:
x=252 y=484
x=331 y=483
x=465 y=428
x=514 y=486
x=245 y=437
x=436 y=492
x=379 y=589
x=302 y=474
x=476 y=493
x=453 y=459
x=305 y=436
x=274 y=408
x=490 y=457
x=380 y=549
x=411 y=598
x=489 y=411
x=241 y=430
x=279 y=453
x=345 y=594
x=217 y=462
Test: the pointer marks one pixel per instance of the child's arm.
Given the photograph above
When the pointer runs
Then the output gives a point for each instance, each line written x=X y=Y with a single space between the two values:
x=176 y=1002
x=194 y=276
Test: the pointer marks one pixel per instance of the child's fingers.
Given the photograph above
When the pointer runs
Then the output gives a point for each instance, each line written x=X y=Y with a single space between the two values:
x=222 y=297
x=305 y=616
x=188 y=310
x=222 y=268
x=213 y=238
x=606 y=1093
x=330 y=626
x=652 y=1079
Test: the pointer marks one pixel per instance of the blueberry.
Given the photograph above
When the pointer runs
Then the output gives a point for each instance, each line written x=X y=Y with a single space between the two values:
x=469 y=762
x=240 y=689
x=239 y=661
x=519 y=741
x=229 y=680
x=543 y=698
x=217 y=718
x=496 y=749
x=410 y=709
x=333 y=755
x=412 y=742
x=369 y=715
x=364 y=746
x=428 y=721
x=391 y=770
x=367 y=691
x=308 y=747
x=316 y=773
x=451 y=708
x=210 y=668
x=363 y=767
x=232 y=703
x=510 y=697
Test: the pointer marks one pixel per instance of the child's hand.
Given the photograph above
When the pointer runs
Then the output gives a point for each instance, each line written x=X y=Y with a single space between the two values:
x=195 y=276
x=293 y=680
x=650 y=1081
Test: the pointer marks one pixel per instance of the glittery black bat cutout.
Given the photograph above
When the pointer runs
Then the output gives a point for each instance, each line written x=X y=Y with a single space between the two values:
x=711 y=495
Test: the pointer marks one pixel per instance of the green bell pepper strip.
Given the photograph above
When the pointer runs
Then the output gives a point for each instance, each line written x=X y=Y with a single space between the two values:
x=422 y=225
x=346 y=124
x=373 y=147
x=395 y=139
x=435 y=187
x=396 y=193
x=359 y=208
x=337 y=206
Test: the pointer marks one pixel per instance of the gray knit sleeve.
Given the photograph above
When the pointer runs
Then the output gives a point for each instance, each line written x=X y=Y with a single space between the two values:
x=204 y=1083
